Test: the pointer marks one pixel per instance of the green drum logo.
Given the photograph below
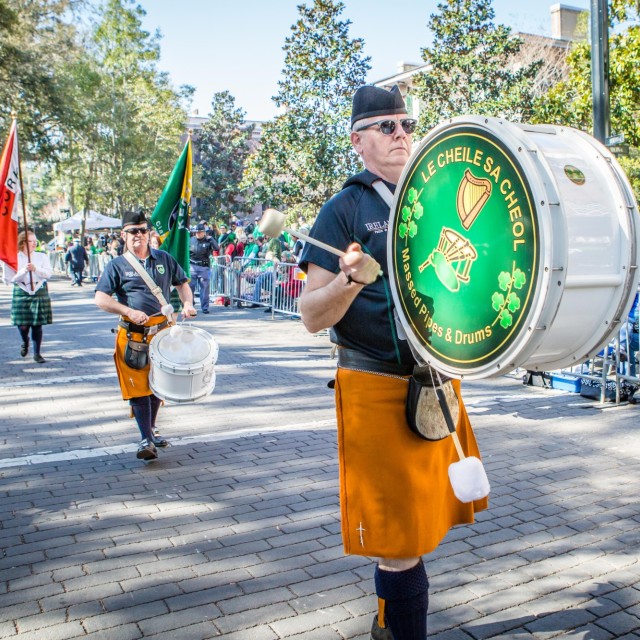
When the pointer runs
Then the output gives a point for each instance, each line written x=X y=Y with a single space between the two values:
x=465 y=248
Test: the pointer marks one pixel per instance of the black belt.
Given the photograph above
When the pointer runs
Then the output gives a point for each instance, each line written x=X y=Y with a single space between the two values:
x=201 y=264
x=352 y=359
x=140 y=328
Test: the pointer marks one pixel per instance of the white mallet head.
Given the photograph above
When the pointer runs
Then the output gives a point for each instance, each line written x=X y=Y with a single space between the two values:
x=167 y=310
x=469 y=480
x=175 y=331
x=272 y=223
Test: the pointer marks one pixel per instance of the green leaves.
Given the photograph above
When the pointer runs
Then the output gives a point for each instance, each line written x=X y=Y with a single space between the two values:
x=224 y=144
x=472 y=67
x=305 y=154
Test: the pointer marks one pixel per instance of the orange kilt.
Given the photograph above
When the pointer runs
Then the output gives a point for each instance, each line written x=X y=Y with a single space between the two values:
x=396 y=500
x=134 y=383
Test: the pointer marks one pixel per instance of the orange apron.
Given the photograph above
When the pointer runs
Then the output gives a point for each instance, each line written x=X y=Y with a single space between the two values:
x=134 y=383
x=396 y=500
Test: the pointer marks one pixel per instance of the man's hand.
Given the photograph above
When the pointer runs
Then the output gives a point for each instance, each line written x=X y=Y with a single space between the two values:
x=137 y=317
x=362 y=268
x=188 y=310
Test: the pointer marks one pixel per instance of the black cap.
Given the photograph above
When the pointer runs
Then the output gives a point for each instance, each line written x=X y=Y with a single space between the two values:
x=133 y=217
x=200 y=227
x=369 y=101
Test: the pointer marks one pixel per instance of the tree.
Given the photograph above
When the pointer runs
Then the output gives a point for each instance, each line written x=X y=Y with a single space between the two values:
x=305 y=153
x=141 y=127
x=37 y=38
x=570 y=103
x=473 y=67
x=122 y=133
x=223 y=145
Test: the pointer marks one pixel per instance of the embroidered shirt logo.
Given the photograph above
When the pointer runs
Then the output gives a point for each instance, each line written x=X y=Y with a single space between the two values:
x=379 y=226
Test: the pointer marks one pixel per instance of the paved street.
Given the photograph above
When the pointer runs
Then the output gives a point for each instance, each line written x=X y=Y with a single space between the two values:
x=234 y=531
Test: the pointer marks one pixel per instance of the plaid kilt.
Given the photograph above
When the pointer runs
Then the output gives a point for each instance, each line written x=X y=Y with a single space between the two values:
x=32 y=311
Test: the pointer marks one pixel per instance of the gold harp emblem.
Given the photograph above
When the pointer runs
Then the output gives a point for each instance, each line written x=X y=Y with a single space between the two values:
x=473 y=194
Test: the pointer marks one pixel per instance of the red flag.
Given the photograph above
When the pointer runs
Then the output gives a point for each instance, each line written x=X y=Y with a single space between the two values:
x=9 y=196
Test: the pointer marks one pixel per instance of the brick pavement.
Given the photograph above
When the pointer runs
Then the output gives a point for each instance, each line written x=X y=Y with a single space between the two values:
x=234 y=531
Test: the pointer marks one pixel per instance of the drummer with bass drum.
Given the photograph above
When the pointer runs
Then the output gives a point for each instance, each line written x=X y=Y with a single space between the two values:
x=142 y=315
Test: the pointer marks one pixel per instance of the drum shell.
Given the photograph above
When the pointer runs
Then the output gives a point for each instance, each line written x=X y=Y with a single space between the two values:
x=588 y=241
x=178 y=383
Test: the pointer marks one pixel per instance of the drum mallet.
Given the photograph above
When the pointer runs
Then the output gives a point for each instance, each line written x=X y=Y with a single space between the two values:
x=468 y=478
x=272 y=225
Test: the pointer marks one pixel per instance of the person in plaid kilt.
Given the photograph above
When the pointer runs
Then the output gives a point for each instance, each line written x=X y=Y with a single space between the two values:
x=31 y=304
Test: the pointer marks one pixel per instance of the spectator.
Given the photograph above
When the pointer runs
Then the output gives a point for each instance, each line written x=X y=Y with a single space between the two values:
x=77 y=259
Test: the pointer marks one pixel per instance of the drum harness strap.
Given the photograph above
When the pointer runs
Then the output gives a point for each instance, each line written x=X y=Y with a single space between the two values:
x=157 y=292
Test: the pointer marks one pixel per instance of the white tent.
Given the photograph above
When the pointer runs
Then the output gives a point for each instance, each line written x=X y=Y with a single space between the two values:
x=95 y=220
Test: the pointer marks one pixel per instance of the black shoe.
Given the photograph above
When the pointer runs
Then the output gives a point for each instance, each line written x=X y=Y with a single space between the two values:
x=378 y=633
x=38 y=358
x=205 y=311
x=267 y=310
x=146 y=451
x=24 y=349
x=159 y=441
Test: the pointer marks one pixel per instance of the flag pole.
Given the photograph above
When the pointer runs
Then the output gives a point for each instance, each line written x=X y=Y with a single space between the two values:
x=14 y=115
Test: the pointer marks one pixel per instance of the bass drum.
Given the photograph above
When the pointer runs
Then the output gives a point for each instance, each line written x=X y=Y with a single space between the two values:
x=511 y=246
x=182 y=364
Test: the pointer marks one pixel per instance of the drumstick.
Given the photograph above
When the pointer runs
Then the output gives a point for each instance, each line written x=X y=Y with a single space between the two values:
x=272 y=224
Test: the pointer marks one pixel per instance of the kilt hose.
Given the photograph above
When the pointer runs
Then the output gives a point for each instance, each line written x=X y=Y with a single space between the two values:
x=31 y=310
x=396 y=500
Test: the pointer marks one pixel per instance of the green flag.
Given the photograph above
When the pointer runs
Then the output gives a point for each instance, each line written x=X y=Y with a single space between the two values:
x=171 y=217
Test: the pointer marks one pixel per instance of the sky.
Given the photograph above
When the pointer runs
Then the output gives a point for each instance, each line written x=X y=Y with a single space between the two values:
x=218 y=45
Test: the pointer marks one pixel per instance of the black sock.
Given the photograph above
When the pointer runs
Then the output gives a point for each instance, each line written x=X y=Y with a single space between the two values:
x=36 y=334
x=24 y=333
x=155 y=406
x=406 y=596
x=142 y=412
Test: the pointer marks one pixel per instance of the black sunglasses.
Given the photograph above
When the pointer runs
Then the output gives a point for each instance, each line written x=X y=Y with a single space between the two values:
x=387 y=127
x=136 y=231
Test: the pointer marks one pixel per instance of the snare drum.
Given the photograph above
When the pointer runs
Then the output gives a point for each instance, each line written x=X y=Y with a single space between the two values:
x=182 y=366
x=511 y=246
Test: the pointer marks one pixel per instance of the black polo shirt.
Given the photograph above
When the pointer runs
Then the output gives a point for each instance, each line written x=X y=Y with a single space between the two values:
x=121 y=279
x=358 y=214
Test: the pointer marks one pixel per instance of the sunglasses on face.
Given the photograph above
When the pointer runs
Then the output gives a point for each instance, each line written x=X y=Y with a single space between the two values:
x=136 y=231
x=387 y=127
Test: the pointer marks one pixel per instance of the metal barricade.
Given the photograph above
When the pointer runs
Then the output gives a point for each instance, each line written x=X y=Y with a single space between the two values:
x=287 y=288
x=257 y=282
x=251 y=281
x=93 y=270
x=221 y=283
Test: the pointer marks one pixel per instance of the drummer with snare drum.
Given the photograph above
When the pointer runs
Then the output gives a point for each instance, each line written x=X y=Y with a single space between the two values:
x=130 y=278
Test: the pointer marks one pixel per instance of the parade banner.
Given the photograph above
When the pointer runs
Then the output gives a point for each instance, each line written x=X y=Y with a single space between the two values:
x=9 y=196
x=171 y=216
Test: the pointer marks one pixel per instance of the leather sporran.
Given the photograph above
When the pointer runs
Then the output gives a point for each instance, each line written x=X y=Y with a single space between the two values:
x=136 y=354
x=423 y=410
